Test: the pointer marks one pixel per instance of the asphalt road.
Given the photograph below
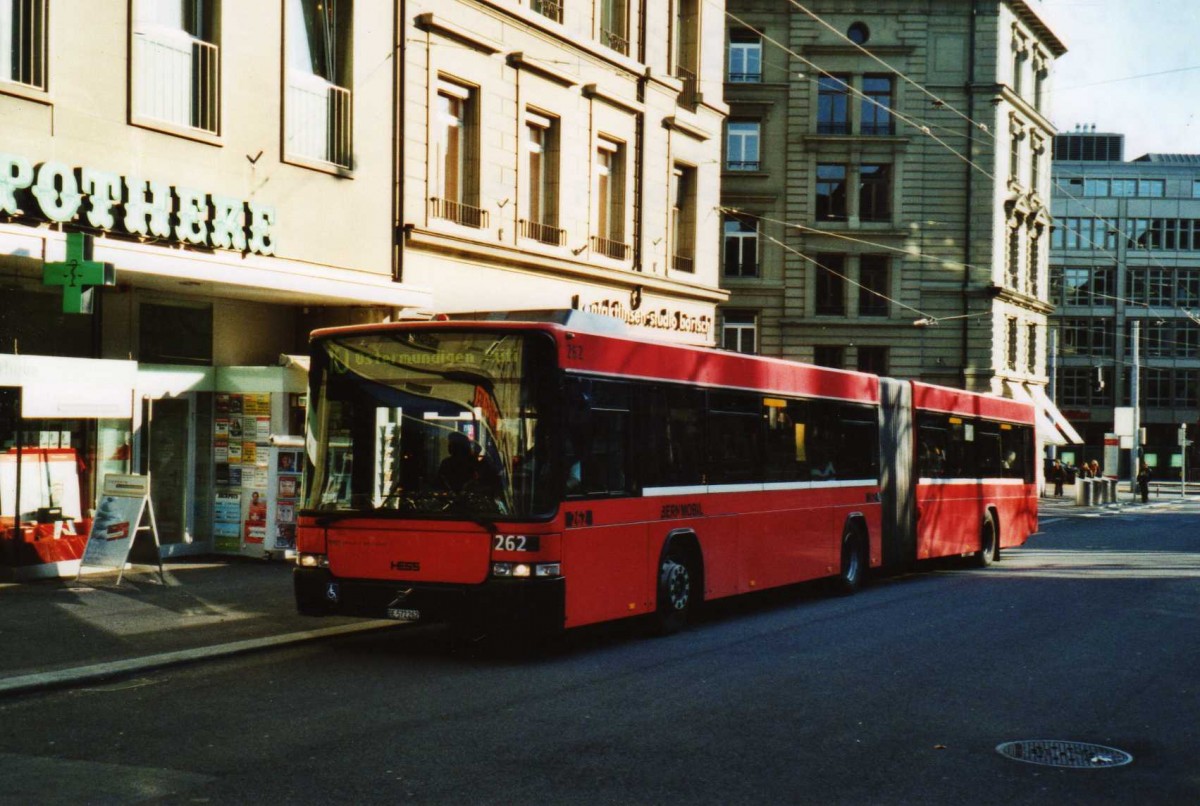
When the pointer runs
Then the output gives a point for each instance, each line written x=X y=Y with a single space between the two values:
x=897 y=695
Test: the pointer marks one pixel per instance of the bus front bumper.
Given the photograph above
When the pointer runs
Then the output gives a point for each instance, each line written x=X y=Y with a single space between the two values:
x=529 y=605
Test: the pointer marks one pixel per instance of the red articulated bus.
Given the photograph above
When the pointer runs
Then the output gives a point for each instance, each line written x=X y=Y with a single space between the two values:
x=552 y=471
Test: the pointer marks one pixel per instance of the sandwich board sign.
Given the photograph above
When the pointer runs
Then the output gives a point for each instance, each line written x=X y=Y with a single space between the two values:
x=124 y=502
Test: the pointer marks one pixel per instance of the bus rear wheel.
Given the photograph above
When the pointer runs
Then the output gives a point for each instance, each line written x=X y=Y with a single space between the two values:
x=675 y=592
x=854 y=561
x=987 y=543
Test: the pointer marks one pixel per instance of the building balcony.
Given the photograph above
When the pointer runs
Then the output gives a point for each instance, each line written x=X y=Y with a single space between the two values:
x=459 y=213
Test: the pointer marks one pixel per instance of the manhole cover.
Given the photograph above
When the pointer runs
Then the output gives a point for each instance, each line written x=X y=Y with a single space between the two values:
x=1073 y=755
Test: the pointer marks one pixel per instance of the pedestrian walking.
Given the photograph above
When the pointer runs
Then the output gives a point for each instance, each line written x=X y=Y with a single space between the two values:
x=1058 y=476
x=1143 y=481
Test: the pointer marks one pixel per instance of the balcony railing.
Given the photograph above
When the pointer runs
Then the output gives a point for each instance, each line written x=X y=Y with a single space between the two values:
x=178 y=79
x=745 y=78
x=742 y=165
x=615 y=40
x=610 y=248
x=319 y=116
x=546 y=233
x=458 y=212
x=683 y=263
x=690 y=93
x=552 y=9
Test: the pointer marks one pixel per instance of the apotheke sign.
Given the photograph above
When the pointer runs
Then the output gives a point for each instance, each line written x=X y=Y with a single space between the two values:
x=152 y=209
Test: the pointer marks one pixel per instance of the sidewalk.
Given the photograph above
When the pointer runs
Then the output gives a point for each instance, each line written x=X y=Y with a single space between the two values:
x=1065 y=507
x=62 y=632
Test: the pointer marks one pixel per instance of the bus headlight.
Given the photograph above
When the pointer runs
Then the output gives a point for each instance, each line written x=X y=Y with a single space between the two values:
x=306 y=560
x=526 y=570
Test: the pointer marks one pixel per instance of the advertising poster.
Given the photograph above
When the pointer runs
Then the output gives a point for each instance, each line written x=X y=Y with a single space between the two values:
x=227 y=521
x=286 y=486
x=122 y=504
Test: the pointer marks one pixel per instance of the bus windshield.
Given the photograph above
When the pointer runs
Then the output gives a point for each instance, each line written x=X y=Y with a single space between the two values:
x=432 y=423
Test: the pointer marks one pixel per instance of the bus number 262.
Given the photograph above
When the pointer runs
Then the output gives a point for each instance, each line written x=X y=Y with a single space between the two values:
x=514 y=543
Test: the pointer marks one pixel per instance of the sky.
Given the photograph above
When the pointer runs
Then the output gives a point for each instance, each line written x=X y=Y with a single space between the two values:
x=1132 y=67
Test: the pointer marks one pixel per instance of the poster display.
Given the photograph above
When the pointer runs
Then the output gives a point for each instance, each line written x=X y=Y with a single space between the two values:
x=124 y=501
x=286 y=484
x=241 y=436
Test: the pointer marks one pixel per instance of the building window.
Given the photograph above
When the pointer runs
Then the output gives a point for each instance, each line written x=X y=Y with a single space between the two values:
x=873 y=360
x=1036 y=149
x=1094 y=337
x=873 y=279
x=876 y=106
x=174 y=334
x=739 y=331
x=614 y=25
x=686 y=48
x=1096 y=187
x=1085 y=386
x=1031 y=349
x=1124 y=187
x=831 y=192
x=176 y=70
x=683 y=219
x=455 y=146
x=833 y=107
x=1196 y=188
x=610 y=200
x=553 y=9
x=1014 y=157
x=742 y=141
x=1035 y=259
x=741 y=246
x=745 y=57
x=1152 y=188
x=827 y=355
x=1013 y=277
x=875 y=193
x=858 y=33
x=23 y=42
x=1188 y=283
x=1011 y=339
x=830 y=285
x=317 y=106
x=539 y=190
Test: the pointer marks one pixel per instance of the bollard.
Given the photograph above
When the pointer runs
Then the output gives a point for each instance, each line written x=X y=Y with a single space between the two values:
x=1099 y=492
x=1083 y=492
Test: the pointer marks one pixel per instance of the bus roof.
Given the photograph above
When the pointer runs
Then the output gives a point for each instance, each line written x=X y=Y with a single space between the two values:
x=589 y=345
x=975 y=404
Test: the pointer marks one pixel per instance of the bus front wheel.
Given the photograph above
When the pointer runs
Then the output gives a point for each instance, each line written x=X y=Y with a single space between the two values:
x=675 y=592
x=987 y=543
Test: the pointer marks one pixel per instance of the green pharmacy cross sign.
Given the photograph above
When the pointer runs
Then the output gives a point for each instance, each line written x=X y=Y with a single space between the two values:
x=78 y=274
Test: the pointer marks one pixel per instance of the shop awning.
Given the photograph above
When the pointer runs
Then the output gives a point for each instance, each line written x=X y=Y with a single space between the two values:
x=1050 y=411
x=1052 y=427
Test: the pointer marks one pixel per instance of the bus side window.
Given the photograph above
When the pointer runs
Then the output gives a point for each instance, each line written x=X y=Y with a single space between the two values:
x=1016 y=450
x=989 y=463
x=734 y=438
x=823 y=442
x=858 y=443
x=598 y=450
x=786 y=450
x=670 y=431
x=931 y=451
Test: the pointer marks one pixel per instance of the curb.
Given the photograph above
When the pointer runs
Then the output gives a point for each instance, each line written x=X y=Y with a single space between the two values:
x=63 y=678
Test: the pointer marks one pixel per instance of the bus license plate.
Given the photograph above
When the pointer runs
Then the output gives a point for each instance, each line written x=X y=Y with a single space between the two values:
x=403 y=614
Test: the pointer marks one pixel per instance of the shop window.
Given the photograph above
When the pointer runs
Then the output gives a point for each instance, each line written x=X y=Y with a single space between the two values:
x=318 y=93
x=169 y=334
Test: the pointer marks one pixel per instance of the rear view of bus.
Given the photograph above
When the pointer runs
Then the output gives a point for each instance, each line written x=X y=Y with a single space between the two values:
x=430 y=459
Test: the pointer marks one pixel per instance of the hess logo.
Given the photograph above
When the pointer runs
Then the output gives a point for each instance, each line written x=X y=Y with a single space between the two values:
x=405 y=565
